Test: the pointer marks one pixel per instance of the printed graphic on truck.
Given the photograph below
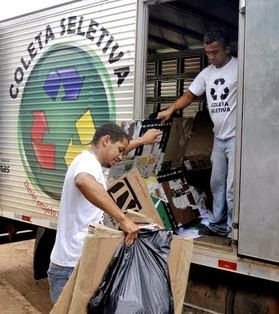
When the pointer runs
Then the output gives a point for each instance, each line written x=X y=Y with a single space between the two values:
x=67 y=72
x=67 y=94
x=66 y=82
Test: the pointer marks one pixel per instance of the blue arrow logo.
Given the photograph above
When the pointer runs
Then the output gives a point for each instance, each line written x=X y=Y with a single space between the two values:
x=69 y=78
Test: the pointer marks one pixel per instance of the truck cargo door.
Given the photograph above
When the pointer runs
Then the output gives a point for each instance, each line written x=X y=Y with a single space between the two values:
x=259 y=157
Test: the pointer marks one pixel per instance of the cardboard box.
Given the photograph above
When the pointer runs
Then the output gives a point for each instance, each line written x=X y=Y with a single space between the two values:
x=201 y=138
x=181 y=129
x=179 y=196
x=156 y=150
x=98 y=251
x=130 y=194
x=197 y=172
x=169 y=151
x=144 y=164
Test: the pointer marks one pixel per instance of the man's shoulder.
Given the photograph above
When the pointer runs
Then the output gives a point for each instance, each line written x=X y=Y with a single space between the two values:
x=85 y=156
x=234 y=60
x=204 y=72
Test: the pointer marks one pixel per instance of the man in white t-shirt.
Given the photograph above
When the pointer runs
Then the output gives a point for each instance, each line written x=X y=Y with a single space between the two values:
x=84 y=198
x=219 y=81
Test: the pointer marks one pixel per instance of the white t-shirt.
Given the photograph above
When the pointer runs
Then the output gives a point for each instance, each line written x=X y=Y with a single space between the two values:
x=220 y=85
x=76 y=212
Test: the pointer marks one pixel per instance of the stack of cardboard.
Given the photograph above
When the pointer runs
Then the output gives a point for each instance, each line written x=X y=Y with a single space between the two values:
x=160 y=165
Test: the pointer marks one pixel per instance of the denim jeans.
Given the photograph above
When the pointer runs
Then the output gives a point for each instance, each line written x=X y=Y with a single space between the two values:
x=222 y=179
x=57 y=279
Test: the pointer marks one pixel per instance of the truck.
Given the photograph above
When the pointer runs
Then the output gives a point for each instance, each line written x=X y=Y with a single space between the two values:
x=66 y=69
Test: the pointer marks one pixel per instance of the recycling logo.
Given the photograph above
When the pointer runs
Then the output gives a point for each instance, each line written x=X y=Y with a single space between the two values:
x=67 y=95
x=224 y=90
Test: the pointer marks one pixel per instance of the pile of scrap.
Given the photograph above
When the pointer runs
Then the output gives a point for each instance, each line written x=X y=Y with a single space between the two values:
x=176 y=169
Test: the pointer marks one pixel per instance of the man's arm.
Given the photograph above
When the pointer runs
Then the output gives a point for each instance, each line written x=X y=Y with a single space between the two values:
x=98 y=196
x=182 y=102
x=149 y=137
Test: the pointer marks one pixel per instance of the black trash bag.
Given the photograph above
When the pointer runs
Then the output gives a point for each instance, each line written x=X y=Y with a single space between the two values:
x=137 y=280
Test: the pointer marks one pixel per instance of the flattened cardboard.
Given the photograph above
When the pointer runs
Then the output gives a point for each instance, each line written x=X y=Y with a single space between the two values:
x=179 y=266
x=156 y=150
x=201 y=139
x=130 y=193
x=180 y=132
x=179 y=196
x=169 y=150
x=145 y=165
x=158 y=147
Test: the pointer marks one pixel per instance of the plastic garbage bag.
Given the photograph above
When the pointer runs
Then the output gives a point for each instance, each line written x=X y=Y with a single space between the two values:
x=137 y=280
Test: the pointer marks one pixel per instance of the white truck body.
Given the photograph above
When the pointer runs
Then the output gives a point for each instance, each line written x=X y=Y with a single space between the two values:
x=67 y=69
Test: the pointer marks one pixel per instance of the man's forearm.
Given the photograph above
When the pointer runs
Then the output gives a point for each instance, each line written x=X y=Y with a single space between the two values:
x=134 y=143
x=98 y=196
x=149 y=137
x=183 y=101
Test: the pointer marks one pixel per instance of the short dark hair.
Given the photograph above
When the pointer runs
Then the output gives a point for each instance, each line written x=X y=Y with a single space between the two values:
x=219 y=35
x=115 y=132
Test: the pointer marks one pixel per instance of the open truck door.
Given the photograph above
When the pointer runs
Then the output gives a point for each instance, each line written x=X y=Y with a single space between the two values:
x=258 y=145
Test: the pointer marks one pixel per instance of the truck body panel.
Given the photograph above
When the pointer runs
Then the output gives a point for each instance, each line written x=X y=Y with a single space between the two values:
x=258 y=195
x=64 y=71
x=70 y=68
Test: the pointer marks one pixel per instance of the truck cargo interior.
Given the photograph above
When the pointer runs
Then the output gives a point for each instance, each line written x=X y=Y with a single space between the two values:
x=175 y=57
x=175 y=50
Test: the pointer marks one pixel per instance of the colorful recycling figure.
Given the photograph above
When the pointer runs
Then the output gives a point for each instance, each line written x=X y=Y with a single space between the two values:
x=67 y=94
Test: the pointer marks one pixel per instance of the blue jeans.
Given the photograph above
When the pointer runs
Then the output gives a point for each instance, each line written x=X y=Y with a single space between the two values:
x=57 y=279
x=222 y=179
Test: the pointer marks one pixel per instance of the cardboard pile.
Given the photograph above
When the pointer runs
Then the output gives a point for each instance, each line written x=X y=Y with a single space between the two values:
x=168 y=202
x=171 y=169
x=160 y=164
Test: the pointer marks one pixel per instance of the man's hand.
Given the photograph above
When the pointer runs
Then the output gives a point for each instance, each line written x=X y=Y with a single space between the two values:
x=98 y=196
x=165 y=114
x=130 y=229
x=150 y=136
x=182 y=102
